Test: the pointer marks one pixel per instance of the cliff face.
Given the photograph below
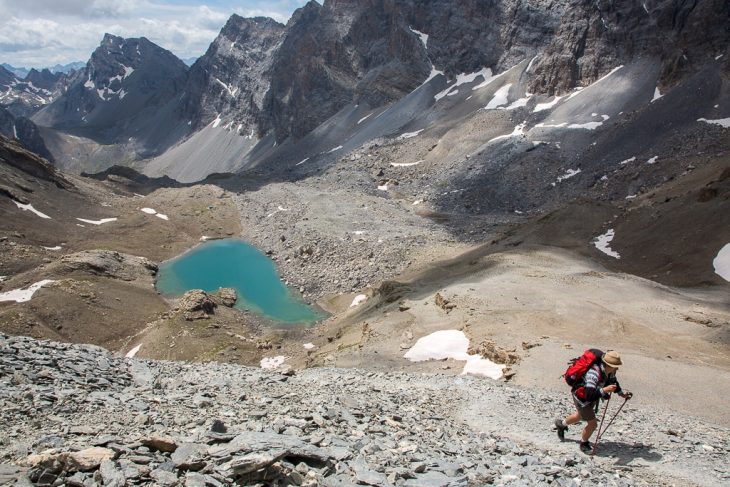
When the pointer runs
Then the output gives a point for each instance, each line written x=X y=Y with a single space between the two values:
x=375 y=51
x=232 y=78
x=339 y=53
x=593 y=37
x=25 y=131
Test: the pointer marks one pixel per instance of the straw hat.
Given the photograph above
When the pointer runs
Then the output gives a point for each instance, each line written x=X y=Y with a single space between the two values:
x=612 y=358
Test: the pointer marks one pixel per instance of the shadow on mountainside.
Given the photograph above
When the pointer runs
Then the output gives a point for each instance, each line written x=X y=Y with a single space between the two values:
x=625 y=453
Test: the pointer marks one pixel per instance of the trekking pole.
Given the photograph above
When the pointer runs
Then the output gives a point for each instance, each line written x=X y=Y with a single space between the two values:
x=598 y=435
x=601 y=429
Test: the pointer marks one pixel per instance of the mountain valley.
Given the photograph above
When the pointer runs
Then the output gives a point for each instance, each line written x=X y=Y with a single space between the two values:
x=542 y=177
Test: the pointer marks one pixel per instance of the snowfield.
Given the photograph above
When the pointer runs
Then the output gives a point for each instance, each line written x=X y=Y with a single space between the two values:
x=453 y=344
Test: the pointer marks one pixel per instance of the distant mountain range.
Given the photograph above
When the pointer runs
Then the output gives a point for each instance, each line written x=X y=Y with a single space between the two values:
x=58 y=68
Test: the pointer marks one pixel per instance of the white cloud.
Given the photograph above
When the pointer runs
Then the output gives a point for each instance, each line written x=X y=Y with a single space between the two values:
x=42 y=33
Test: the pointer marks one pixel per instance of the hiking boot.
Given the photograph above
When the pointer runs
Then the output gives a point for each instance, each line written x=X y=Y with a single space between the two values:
x=561 y=429
x=585 y=447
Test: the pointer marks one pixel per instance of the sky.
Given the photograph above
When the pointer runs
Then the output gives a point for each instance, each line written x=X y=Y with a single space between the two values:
x=42 y=33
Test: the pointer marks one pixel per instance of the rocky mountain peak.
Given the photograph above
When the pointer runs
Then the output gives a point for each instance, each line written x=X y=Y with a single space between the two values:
x=230 y=81
x=43 y=79
x=123 y=95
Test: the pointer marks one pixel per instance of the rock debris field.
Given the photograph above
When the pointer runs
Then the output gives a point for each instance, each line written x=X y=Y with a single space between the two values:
x=77 y=415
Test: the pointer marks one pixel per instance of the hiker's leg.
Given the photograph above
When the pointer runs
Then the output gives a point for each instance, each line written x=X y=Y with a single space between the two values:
x=589 y=429
x=572 y=418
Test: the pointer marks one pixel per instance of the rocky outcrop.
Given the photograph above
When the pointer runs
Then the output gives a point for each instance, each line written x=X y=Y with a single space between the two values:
x=196 y=305
x=14 y=155
x=225 y=296
x=107 y=263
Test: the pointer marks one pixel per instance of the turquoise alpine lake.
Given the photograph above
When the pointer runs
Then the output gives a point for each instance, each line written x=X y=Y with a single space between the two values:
x=236 y=264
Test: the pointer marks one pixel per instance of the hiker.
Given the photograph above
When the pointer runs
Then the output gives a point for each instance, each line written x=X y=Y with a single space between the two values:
x=597 y=382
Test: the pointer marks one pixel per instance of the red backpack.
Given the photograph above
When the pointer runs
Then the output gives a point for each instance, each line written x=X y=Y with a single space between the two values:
x=578 y=366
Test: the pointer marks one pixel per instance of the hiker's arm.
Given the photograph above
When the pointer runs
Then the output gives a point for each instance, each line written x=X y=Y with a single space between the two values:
x=613 y=380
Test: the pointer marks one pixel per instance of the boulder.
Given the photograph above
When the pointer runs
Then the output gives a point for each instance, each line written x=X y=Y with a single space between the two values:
x=160 y=443
x=189 y=456
x=225 y=296
x=85 y=460
x=197 y=304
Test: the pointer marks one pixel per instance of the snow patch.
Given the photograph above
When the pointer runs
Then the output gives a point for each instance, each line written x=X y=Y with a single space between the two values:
x=569 y=174
x=546 y=106
x=584 y=126
x=301 y=162
x=97 y=222
x=30 y=208
x=602 y=242
x=133 y=352
x=518 y=130
x=383 y=187
x=217 y=121
x=149 y=211
x=452 y=344
x=57 y=247
x=23 y=295
x=272 y=362
x=721 y=262
x=626 y=161
x=652 y=160
x=364 y=118
x=518 y=103
x=580 y=90
x=359 y=299
x=334 y=150
x=657 y=95
x=424 y=37
x=722 y=122
x=464 y=78
x=409 y=135
x=308 y=346
x=499 y=98
x=162 y=217
x=405 y=164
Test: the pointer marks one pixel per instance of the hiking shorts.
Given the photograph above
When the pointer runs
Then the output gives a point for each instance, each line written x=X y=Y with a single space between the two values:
x=587 y=412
